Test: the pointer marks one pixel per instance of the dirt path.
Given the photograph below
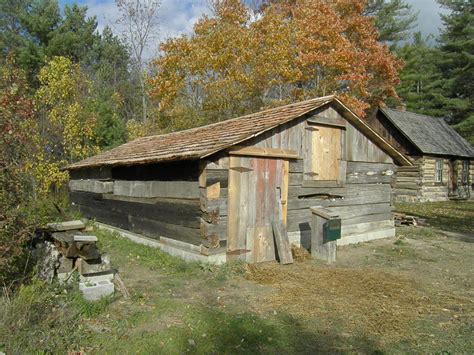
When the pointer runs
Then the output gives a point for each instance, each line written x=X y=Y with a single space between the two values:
x=405 y=293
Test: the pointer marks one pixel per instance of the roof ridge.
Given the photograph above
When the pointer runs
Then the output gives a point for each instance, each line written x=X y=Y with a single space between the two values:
x=429 y=134
x=203 y=141
x=316 y=99
x=415 y=113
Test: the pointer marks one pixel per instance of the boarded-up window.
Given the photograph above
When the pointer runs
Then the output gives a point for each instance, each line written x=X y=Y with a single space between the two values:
x=326 y=152
x=439 y=170
x=465 y=172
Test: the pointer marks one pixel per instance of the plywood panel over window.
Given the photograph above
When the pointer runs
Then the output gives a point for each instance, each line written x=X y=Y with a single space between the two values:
x=439 y=170
x=325 y=152
x=465 y=172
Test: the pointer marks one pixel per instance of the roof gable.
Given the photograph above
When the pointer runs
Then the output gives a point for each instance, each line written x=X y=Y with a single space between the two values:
x=431 y=135
x=200 y=142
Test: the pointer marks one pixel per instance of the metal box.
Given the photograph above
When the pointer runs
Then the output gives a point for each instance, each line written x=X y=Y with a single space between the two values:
x=332 y=230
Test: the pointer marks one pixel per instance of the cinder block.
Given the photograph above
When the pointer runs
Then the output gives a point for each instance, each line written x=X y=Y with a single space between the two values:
x=93 y=291
x=94 y=278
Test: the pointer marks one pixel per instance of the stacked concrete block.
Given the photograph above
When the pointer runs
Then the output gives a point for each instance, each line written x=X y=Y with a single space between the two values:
x=95 y=290
x=68 y=248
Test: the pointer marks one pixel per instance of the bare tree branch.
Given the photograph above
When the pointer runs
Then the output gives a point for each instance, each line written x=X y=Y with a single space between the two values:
x=139 y=20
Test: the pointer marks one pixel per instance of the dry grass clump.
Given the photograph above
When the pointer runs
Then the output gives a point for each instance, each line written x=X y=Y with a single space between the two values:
x=366 y=300
x=299 y=253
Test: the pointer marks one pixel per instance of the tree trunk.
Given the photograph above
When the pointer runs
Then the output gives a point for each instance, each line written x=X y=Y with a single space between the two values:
x=144 y=103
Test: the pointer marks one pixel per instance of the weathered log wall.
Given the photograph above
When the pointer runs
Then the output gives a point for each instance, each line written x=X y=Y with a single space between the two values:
x=417 y=183
x=463 y=190
x=471 y=179
x=409 y=182
x=148 y=200
x=430 y=189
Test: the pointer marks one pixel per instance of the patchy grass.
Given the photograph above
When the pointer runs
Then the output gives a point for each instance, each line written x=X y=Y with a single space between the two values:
x=412 y=294
x=136 y=254
x=455 y=216
x=47 y=318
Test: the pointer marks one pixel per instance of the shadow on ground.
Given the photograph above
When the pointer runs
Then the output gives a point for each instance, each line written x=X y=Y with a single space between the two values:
x=208 y=330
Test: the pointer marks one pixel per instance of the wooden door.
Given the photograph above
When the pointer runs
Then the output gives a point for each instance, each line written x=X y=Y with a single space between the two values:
x=256 y=186
x=325 y=152
x=459 y=179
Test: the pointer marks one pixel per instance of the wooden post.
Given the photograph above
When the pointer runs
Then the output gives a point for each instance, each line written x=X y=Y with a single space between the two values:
x=281 y=236
x=320 y=249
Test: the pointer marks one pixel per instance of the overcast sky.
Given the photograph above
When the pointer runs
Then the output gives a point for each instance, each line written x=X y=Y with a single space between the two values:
x=429 y=21
x=179 y=16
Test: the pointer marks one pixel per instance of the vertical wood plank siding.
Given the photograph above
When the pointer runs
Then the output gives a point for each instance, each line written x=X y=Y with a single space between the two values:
x=189 y=200
x=364 y=201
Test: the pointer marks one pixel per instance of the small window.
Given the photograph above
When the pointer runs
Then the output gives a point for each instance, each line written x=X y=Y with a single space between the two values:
x=465 y=172
x=439 y=170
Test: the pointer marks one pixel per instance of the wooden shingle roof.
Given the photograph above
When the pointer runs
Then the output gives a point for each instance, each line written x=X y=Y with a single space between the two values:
x=429 y=134
x=200 y=142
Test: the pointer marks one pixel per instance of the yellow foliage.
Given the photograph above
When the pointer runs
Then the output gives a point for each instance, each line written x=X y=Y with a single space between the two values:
x=63 y=92
x=47 y=173
x=137 y=129
x=67 y=131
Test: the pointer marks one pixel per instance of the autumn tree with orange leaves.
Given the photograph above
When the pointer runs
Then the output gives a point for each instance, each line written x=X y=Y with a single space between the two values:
x=239 y=61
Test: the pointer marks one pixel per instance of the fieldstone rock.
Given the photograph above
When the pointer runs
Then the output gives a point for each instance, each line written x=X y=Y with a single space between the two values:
x=64 y=265
x=47 y=256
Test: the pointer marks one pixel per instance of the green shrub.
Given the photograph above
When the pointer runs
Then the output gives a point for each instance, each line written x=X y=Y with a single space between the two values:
x=17 y=227
x=42 y=317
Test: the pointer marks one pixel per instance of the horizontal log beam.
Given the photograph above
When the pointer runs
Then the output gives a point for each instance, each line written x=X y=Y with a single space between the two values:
x=166 y=211
x=264 y=152
x=91 y=185
x=166 y=189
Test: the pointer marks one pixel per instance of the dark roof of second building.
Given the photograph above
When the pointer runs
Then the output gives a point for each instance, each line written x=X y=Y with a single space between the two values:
x=431 y=135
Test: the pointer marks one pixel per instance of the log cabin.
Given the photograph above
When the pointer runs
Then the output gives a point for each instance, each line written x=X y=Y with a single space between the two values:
x=212 y=193
x=442 y=160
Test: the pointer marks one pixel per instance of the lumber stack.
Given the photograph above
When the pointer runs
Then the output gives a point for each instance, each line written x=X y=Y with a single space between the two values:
x=69 y=247
x=402 y=219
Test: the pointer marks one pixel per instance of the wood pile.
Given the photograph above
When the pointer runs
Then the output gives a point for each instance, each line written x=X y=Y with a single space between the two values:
x=68 y=247
x=402 y=219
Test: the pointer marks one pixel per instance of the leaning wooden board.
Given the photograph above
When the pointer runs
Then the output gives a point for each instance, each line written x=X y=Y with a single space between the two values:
x=281 y=237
